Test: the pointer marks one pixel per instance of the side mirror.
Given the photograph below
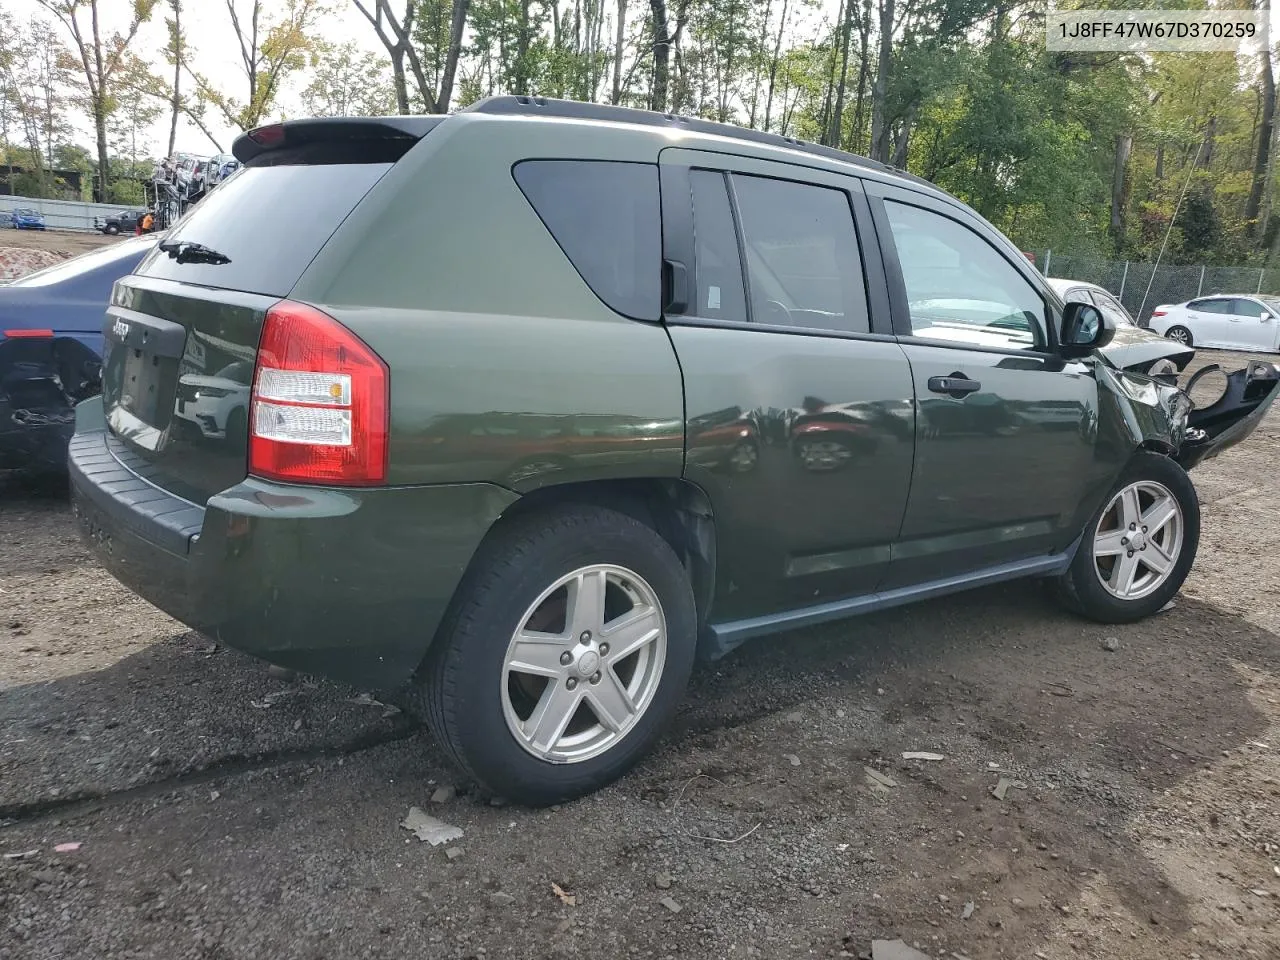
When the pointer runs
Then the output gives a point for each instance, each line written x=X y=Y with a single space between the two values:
x=1264 y=316
x=1085 y=328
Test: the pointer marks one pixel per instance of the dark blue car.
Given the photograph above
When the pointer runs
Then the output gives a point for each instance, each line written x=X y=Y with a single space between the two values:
x=24 y=218
x=51 y=350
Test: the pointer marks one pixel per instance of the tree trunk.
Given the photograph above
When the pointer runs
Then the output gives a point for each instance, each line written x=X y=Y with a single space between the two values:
x=1160 y=161
x=619 y=42
x=1205 y=156
x=836 y=130
x=661 y=55
x=1263 y=154
x=176 y=100
x=864 y=65
x=824 y=121
x=880 y=88
x=904 y=139
x=1119 y=191
x=773 y=65
x=401 y=82
x=457 y=24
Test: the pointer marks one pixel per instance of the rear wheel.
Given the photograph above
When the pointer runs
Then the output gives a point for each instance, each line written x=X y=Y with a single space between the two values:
x=1181 y=334
x=1138 y=548
x=567 y=650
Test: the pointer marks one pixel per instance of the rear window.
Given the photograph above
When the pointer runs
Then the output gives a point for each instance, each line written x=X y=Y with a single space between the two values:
x=270 y=221
x=604 y=214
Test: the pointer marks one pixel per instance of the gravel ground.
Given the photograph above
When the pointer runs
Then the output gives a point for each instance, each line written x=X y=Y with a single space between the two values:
x=225 y=812
x=67 y=242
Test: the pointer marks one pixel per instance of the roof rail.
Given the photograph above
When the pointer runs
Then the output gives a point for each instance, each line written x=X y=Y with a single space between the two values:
x=577 y=110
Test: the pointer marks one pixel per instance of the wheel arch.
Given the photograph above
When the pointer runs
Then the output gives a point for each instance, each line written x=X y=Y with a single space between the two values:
x=677 y=509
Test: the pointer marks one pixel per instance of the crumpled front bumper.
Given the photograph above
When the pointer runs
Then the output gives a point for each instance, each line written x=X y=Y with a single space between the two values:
x=1249 y=395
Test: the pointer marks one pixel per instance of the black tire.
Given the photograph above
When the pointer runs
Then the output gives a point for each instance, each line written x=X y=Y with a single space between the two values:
x=460 y=689
x=111 y=229
x=1185 y=337
x=1080 y=588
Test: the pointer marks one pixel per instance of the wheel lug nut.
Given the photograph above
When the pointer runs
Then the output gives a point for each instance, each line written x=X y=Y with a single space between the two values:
x=595 y=677
x=566 y=658
x=1131 y=553
x=586 y=636
x=1144 y=529
x=1133 y=526
x=1124 y=540
x=572 y=682
x=604 y=648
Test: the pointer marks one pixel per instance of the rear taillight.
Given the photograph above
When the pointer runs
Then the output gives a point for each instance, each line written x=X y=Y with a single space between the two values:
x=319 y=410
x=1158 y=313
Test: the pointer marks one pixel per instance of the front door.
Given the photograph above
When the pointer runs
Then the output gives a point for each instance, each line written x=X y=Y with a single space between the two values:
x=798 y=399
x=1005 y=429
x=1251 y=325
x=1210 y=321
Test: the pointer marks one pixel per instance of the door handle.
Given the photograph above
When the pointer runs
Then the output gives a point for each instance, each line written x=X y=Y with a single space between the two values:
x=956 y=385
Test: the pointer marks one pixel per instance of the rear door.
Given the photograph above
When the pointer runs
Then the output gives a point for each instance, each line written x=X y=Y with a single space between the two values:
x=181 y=334
x=1005 y=430
x=798 y=400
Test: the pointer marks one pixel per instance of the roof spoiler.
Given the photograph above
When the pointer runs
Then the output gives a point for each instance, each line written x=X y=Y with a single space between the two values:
x=393 y=135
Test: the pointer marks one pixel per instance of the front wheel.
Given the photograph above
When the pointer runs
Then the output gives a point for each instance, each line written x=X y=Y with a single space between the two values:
x=1138 y=548
x=567 y=650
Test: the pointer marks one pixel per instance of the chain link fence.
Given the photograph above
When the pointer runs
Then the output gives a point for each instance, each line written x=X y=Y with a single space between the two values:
x=1140 y=292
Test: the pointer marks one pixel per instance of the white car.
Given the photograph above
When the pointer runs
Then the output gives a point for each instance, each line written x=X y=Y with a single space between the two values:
x=1229 y=321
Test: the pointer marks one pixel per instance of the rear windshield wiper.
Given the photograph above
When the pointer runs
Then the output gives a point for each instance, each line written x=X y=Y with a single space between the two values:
x=188 y=251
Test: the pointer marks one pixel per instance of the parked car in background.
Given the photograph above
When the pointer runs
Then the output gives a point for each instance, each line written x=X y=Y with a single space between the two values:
x=1133 y=348
x=126 y=221
x=472 y=475
x=24 y=218
x=1227 y=321
x=51 y=350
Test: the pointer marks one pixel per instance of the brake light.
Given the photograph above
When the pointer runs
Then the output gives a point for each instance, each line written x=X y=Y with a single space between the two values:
x=29 y=334
x=319 y=409
x=271 y=135
x=1158 y=313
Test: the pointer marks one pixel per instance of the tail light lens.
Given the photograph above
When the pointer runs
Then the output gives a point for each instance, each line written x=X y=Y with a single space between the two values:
x=319 y=410
x=1158 y=313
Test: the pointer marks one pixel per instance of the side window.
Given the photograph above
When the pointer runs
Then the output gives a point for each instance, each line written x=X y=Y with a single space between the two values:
x=1246 y=308
x=605 y=216
x=717 y=263
x=1079 y=295
x=959 y=288
x=804 y=268
x=1209 y=306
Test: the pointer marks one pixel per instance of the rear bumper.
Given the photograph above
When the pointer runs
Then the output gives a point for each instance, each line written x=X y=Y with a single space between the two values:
x=348 y=584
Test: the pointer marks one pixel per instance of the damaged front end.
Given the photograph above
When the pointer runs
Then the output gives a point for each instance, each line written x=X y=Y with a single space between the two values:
x=1160 y=416
x=42 y=378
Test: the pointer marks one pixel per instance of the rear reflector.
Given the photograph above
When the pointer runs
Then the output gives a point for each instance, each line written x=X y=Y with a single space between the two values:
x=29 y=334
x=319 y=407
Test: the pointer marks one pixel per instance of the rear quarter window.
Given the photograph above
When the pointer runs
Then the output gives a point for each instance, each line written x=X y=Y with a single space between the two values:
x=270 y=221
x=604 y=215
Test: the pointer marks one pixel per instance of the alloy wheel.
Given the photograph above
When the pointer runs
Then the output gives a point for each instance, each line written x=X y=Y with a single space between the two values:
x=584 y=664
x=1138 y=540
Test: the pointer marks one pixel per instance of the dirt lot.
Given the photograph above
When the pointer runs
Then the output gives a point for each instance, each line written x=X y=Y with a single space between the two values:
x=69 y=242
x=223 y=812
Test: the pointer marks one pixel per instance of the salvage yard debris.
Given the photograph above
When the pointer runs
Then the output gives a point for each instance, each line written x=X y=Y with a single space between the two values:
x=429 y=829
x=895 y=950
x=568 y=899
x=922 y=755
x=879 y=781
x=1003 y=786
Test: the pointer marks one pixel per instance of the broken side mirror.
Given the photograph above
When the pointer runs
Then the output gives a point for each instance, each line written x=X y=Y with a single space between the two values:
x=1085 y=328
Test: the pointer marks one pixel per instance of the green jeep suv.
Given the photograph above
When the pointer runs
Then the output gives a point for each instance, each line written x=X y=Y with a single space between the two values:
x=515 y=413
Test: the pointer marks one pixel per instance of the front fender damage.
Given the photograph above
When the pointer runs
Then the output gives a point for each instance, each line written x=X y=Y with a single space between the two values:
x=1161 y=417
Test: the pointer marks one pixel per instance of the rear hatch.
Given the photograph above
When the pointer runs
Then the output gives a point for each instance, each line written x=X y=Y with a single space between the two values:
x=181 y=334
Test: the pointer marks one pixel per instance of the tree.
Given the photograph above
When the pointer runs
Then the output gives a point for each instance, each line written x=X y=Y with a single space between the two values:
x=271 y=49
x=442 y=49
x=176 y=53
x=100 y=57
x=1266 y=131
x=349 y=83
